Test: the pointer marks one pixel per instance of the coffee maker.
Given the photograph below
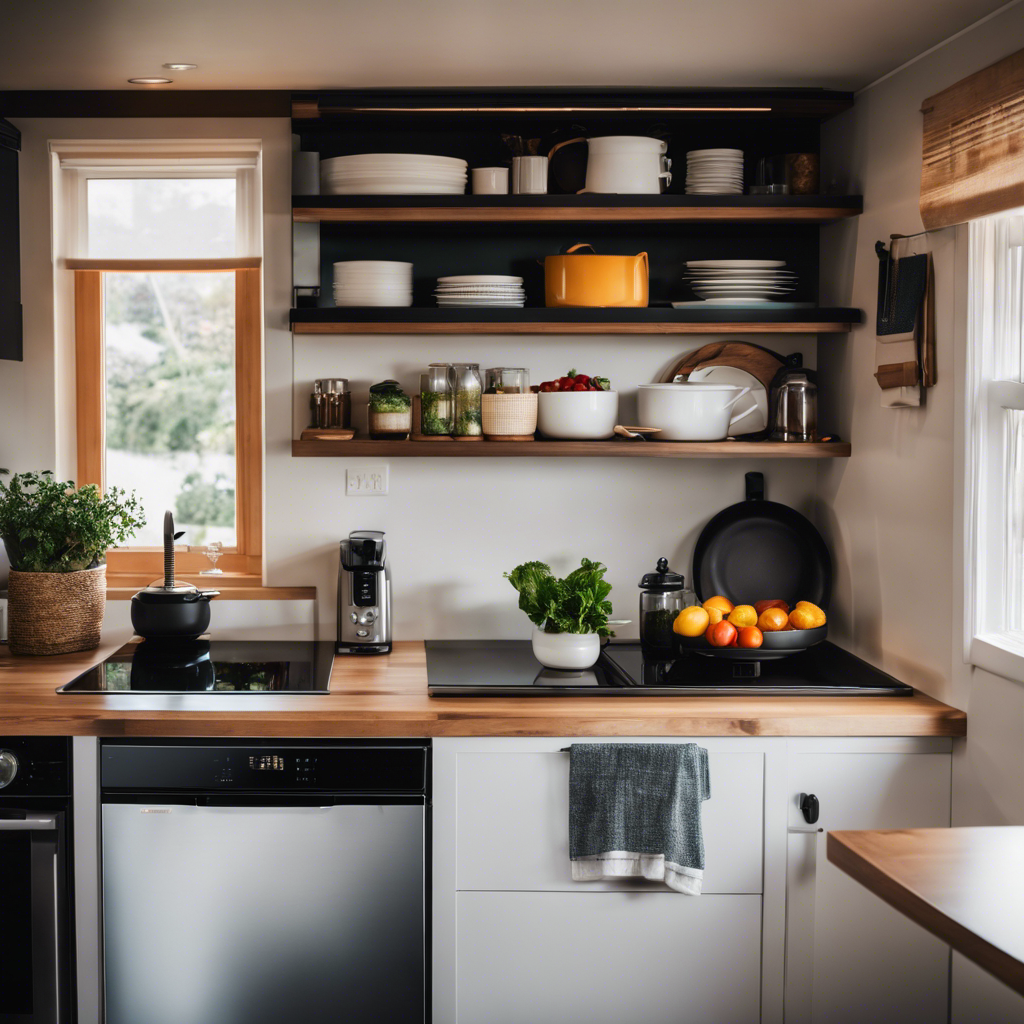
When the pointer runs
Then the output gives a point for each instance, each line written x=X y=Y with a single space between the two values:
x=364 y=595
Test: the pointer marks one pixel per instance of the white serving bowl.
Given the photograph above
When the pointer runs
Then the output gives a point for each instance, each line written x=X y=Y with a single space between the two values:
x=688 y=411
x=578 y=415
x=566 y=651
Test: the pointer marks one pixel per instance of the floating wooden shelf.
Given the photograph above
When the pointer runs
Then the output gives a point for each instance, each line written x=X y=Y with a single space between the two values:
x=586 y=208
x=650 y=320
x=574 y=449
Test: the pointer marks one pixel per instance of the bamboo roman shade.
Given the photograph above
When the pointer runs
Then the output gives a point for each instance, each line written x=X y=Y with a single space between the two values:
x=973 y=153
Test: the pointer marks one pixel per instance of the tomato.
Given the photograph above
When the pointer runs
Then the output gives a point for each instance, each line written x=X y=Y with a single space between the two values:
x=760 y=606
x=721 y=634
x=751 y=636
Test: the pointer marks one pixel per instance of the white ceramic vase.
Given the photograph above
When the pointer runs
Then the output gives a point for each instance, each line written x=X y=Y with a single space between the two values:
x=567 y=651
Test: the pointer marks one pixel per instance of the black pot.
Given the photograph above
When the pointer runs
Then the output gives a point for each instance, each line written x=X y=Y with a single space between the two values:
x=168 y=609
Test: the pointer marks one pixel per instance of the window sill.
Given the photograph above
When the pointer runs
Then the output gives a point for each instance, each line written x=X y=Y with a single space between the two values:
x=1000 y=654
x=232 y=587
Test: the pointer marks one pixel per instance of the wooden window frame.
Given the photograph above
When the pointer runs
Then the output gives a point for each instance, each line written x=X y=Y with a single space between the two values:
x=142 y=565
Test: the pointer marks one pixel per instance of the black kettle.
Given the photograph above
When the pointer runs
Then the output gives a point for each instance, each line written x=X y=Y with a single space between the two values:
x=167 y=609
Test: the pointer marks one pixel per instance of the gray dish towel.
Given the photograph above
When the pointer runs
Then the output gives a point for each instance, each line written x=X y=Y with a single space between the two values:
x=634 y=812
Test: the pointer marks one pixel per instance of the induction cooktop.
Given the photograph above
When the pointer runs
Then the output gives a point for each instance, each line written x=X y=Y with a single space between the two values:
x=503 y=668
x=211 y=666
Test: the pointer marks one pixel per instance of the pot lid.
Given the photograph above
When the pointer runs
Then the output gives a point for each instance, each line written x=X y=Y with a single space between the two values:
x=176 y=587
x=663 y=579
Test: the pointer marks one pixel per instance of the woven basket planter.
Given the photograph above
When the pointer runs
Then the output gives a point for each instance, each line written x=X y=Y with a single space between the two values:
x=55 y=612
x=508 y=415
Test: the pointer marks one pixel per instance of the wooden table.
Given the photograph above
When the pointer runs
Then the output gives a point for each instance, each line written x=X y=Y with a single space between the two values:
x=965 y=885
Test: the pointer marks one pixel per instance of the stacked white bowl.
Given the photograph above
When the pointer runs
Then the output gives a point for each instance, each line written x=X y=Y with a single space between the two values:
x=393 y=174
x=740 y=282
x=372 y=283
x=714 y=172
x=480 y=290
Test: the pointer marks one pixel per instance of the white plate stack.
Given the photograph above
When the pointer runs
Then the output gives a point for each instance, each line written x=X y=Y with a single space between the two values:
x=480 y=290
x=739 y=282
x=368 y=174
x=372 y=283
x=714 y=172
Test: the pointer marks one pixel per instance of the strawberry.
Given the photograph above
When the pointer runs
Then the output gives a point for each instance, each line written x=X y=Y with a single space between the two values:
x=566 y=383
x=579 y=387
x=548 y=386
x=582 y=378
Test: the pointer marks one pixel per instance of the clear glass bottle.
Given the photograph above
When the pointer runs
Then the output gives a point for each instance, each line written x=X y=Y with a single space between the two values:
x=389 y=412
x=663 y=595
x=507 y=380
x=468 y=389
x=437 y=401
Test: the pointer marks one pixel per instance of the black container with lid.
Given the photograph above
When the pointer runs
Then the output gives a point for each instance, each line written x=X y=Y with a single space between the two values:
x=663 y=595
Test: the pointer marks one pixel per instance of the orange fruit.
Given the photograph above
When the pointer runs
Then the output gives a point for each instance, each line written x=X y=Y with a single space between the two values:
x=772 y=619
x=691 y=621
x=714 y=614
x=722 y=634
x=743 y=615
x=751 y=636
x=760 y=606
x=723 y=604
x=806 y=616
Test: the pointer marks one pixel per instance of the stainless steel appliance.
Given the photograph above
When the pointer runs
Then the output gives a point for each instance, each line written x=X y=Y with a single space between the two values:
x=507 y=668
x=255 y=882
x=364 y=595
x=211 y=666
x=794 y=403
x=36 y=968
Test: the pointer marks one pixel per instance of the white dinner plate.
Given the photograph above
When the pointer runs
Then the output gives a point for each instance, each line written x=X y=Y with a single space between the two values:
x=480 y=279
x=737 y=264
x=757 y=418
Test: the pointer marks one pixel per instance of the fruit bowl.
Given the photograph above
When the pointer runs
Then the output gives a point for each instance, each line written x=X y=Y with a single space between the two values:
x=778 y=644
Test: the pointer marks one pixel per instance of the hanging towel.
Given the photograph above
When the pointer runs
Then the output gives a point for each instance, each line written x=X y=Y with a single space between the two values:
x=634 y=812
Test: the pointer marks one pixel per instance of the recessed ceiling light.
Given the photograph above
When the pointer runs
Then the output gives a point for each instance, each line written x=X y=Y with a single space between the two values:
x=150 y=81
x=181 y=67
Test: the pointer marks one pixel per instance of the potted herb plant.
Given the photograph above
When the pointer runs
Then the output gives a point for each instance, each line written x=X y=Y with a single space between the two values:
x=57 y=538
x=569 y=615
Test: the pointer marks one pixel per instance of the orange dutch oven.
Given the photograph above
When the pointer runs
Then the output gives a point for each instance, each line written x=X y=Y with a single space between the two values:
x=586 y=279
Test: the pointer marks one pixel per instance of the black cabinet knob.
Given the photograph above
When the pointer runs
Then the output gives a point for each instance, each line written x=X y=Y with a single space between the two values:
x=810 y=806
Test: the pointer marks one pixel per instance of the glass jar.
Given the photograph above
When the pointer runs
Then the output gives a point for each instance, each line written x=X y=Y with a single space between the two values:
x=389 y=412
x=332 y=404
x=437 y=401
x=507 y=380
x=663 y=595
x=468 y=389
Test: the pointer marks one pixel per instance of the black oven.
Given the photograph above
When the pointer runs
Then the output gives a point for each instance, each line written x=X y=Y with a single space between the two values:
x=35 y=821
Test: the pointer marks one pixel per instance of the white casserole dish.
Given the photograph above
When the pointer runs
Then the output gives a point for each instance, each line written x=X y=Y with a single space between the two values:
x=691 y=411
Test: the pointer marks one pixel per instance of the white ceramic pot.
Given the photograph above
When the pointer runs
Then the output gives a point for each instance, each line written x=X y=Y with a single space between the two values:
x=627 y=164
x=566 y=650
x=691 y=411
x=577 y=415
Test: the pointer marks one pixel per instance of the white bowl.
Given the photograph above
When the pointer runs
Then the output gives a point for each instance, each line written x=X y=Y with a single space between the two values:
x=692 y=411
x=578 y=415
x=566 y=651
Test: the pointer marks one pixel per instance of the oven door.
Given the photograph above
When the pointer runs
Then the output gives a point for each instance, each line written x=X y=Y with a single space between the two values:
x=32 y=987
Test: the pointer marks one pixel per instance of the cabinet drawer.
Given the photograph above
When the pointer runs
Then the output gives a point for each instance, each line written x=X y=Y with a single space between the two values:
x=645 y=958
x=513 y=823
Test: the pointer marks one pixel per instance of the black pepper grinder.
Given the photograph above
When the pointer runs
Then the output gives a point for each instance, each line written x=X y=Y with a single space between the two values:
x=663 y=595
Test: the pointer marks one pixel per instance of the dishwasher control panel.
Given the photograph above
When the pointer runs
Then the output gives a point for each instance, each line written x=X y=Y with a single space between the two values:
x=185 y=767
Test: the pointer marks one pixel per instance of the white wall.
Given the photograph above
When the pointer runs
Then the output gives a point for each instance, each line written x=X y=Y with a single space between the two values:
x=893 y=511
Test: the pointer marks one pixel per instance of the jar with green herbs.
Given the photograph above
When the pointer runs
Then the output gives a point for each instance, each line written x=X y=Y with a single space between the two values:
x=389 y=412
x=468 y=389
x=437 y=401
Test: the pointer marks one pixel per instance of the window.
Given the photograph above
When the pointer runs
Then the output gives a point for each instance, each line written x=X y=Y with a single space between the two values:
x=995 y=440
x=167 y=312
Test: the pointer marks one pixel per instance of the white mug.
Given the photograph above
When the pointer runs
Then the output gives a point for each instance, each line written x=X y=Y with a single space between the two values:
x=530 y=175
x=490 y=181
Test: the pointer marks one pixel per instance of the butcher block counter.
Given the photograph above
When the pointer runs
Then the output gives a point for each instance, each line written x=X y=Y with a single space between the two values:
x=387 y=696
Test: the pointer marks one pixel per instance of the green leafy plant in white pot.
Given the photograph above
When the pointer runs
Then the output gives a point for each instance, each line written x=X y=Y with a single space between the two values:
x=570 y=616
x=57 y=536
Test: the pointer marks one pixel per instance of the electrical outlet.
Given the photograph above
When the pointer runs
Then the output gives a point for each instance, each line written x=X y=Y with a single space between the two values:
x=371 y=481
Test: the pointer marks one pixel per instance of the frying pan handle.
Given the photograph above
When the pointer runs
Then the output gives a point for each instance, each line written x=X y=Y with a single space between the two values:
x=755 y=486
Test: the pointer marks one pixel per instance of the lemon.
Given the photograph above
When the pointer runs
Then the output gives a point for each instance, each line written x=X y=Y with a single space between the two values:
x=806 y=616
x=743 y=615
x=723 y=604
x=691 y=621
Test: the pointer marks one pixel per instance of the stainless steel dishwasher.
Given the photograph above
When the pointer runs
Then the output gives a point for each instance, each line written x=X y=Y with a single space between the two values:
x=252 y=882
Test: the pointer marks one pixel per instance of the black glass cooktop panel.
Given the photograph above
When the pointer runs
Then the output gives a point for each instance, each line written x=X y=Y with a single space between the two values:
x=211 y=666
x=459 y=668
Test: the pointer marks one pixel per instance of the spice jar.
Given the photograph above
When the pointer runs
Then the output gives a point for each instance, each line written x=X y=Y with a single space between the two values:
x=331 y=403
x=663 y=595
x=468 y=389
x=437 y=401
x=389 y=412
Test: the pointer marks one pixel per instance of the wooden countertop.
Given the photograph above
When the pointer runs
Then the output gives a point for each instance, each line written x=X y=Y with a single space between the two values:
x=965 y=885
x=387 y=696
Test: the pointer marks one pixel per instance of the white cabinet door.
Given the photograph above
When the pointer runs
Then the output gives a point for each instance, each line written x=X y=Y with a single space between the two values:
x=513 y=823
x=849 y=956
x=608 y=958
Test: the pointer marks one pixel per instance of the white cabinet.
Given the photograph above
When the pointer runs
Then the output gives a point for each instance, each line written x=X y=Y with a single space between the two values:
x=849 y=956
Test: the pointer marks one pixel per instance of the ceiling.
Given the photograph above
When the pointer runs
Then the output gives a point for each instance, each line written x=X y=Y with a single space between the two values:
x=310 y=44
